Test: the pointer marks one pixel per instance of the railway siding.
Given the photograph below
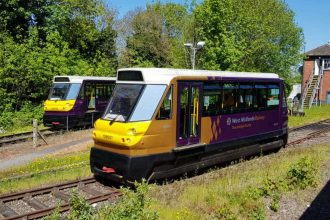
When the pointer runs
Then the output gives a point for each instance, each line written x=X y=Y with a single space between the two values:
x=42 y=202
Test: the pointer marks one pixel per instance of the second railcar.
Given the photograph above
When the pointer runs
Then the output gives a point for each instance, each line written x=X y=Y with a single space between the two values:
x=163 y=122
x=76 y=101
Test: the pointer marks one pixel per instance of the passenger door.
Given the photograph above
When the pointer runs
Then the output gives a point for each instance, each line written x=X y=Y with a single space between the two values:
x=189 y=113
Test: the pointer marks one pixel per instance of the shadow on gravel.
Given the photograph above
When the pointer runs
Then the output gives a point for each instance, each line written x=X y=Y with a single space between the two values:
x=320 y=207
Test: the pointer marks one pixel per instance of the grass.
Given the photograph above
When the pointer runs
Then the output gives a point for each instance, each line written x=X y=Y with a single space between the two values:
x=233 y=192
x=228 y=193
x=316 y=113
x=45 y=171
x=22 y=129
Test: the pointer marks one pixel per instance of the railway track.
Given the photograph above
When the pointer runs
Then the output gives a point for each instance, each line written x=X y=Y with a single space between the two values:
x=15 y=138
x=41 y=202
x=303 y=133
x=307 y=132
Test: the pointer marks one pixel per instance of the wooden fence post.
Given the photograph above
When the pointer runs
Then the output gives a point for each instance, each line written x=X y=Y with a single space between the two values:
x=35 y=133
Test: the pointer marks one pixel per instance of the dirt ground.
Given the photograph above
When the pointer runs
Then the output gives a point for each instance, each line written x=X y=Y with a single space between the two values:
x=22 y=148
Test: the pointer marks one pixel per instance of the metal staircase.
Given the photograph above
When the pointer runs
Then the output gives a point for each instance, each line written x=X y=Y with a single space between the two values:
x=311 y=90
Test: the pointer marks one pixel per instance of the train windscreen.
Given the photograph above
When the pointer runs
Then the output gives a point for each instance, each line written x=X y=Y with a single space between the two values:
x=133 y=102
x=64 y=91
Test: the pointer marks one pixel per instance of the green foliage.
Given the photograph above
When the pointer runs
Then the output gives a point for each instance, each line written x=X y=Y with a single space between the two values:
x=80 y=208
x=133 y=205
x=303 y=174
x=224 y=213
x=249 y=35
x=56 y=215
x=273 y=189
x=41 y=39
x=300 y=175
x=155 y=36
x=316 y=113
x=258 y=213
x=11 y=120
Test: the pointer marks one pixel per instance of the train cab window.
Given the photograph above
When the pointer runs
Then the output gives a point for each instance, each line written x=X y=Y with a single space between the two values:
x=73 y=91
x=64 y=91
x=212 y=98
x=229 y=103
x=261 y=97
x=150 y=97
x=165 y=111
x=81 y=93
x=273 y=96
x=245 y=99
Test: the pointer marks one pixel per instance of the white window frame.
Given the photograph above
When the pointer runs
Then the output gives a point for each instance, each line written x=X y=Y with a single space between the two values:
x=326 y=64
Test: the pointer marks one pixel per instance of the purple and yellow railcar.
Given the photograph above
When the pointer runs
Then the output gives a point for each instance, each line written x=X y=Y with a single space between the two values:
x=163 y=122
x=77 y=101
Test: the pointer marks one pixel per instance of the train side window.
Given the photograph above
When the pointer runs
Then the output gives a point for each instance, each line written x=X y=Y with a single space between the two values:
x=165 y=111
x=273 y=96
x=229 y=103
x=100 y=91
x=90 y=95
x=212 y=98
x=245 y=99
x=284 y=102
x=261 y=97
x=109 y=89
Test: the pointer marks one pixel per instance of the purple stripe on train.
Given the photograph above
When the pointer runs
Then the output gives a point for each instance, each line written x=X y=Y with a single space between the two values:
x=237 y=126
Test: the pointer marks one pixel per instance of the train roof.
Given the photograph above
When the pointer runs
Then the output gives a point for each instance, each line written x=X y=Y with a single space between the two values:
x=165 y=75
x=80 y=79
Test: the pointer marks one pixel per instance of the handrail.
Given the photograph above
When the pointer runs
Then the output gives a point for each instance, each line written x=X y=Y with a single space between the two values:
x=316 y=87
x=310 y=79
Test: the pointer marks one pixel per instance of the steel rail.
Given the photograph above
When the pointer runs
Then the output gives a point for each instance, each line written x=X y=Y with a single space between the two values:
x=96 y=196
x=14 y=138
x=309 y=136
x=309 y=125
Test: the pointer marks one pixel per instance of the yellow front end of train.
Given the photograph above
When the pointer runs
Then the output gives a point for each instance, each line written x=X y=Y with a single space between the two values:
x=136 y=129
x=59 y=105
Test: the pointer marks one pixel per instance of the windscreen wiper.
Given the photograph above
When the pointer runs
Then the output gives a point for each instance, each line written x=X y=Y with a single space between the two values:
x=113 y=120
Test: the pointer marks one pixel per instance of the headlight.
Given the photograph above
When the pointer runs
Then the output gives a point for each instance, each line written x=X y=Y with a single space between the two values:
x=132 y=131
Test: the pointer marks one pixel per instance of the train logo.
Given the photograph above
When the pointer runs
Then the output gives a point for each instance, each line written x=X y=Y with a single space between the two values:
x=229 y=121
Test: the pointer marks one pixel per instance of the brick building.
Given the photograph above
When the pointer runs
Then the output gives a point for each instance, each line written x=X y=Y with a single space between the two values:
x=316 y=77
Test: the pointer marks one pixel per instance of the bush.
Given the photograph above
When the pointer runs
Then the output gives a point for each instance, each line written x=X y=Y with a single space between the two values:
x=11 y=120
x=302 y=174
x=224 y=213
x=80 y=208
x=132 y=205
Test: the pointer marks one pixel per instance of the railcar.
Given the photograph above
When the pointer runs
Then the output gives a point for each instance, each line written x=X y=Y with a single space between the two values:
x=76 y=101
x=164 y=122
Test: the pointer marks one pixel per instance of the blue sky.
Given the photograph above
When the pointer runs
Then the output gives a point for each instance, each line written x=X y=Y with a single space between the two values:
x=313 y=16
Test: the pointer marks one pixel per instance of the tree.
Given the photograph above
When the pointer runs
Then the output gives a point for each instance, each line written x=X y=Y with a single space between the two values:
x=249 y=35
x=43 y=38
x=155 y=36
x=27 y=69
x=87 y=26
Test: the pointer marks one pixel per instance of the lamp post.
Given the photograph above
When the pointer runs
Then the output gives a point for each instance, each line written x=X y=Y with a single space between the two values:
x=193 y=51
